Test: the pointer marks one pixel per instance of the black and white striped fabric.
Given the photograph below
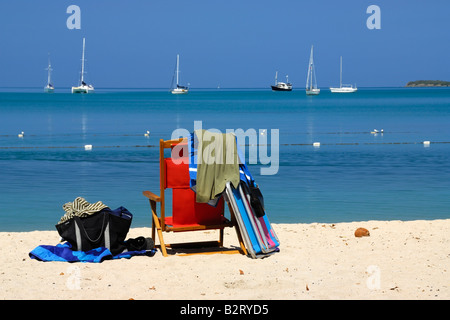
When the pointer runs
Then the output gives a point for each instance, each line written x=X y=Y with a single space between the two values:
x=80 y=208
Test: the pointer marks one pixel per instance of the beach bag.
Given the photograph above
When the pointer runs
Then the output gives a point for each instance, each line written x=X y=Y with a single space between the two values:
x=106 y=228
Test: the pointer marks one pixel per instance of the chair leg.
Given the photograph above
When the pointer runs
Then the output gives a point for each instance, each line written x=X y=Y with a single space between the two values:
x=153 y=207
x=221 y=237
x=158 y=229
x=160 y=236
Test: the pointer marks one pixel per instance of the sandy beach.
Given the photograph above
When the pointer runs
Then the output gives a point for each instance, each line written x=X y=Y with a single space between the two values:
x=399 y=260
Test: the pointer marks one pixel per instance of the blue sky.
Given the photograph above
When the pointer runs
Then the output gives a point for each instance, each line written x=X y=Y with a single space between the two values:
x=234 y=44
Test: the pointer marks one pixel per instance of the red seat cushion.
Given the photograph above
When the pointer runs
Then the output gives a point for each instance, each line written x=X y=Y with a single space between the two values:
x=187 y=212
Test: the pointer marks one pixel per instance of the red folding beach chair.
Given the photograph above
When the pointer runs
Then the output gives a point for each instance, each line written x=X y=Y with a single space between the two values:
x=187 y=214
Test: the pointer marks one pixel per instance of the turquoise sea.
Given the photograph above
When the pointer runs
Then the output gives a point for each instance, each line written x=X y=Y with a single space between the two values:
x=354 y=175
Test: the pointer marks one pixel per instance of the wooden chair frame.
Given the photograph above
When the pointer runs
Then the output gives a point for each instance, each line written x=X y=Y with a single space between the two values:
x=159 y=222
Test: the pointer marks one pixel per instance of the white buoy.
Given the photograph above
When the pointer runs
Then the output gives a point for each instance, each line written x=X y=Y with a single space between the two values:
x=316 y=144
x=20 y=135
x=88 y=147
x=426 y=143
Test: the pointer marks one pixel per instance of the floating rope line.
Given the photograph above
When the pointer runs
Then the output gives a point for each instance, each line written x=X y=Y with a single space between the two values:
x=78 y=147
x=158 y=133
x=247 y=145
x=78 y=134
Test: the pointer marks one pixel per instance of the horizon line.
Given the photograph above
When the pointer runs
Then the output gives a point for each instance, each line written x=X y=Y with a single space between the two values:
x=207 y=88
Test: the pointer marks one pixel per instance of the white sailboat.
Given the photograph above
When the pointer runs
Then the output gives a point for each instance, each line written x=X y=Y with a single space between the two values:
x=343 y=88
x=281 y=86
x=310 y=88
x=179 y=89
x=83 y=87
x=49 y=88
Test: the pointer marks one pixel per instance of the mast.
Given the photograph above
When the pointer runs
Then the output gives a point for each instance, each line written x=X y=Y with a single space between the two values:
x=178 y=61
x=49 y=68
x=340 y=73
x=276 y=77
x=310 y=70
x=82 y=63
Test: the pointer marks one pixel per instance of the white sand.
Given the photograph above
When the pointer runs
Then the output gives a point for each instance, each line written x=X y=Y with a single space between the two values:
x=399 y=260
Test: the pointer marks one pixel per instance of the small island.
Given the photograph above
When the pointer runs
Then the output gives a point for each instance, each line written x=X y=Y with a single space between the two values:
x=428 y=83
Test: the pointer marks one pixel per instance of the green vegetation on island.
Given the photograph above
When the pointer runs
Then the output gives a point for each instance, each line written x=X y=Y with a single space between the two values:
x=428 y=83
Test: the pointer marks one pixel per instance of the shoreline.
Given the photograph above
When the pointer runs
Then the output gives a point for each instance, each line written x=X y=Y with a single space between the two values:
x=399 y=260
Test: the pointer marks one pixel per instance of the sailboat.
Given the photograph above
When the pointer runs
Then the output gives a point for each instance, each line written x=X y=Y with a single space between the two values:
x=310 y=88
x=49 y=87
x=281 y=86
x=83 y=87
x=343 y=88
x=179 y=89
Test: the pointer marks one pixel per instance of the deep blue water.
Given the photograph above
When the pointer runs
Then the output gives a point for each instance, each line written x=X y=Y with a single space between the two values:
x=353 y=175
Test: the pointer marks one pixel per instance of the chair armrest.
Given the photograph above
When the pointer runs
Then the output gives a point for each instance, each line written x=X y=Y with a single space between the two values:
x=151 y=196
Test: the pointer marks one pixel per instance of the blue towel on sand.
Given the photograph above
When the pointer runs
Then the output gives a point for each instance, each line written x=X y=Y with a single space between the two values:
x=63 y=252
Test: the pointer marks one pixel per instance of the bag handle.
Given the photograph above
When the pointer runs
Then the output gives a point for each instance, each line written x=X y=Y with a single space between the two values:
x=102 y=230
